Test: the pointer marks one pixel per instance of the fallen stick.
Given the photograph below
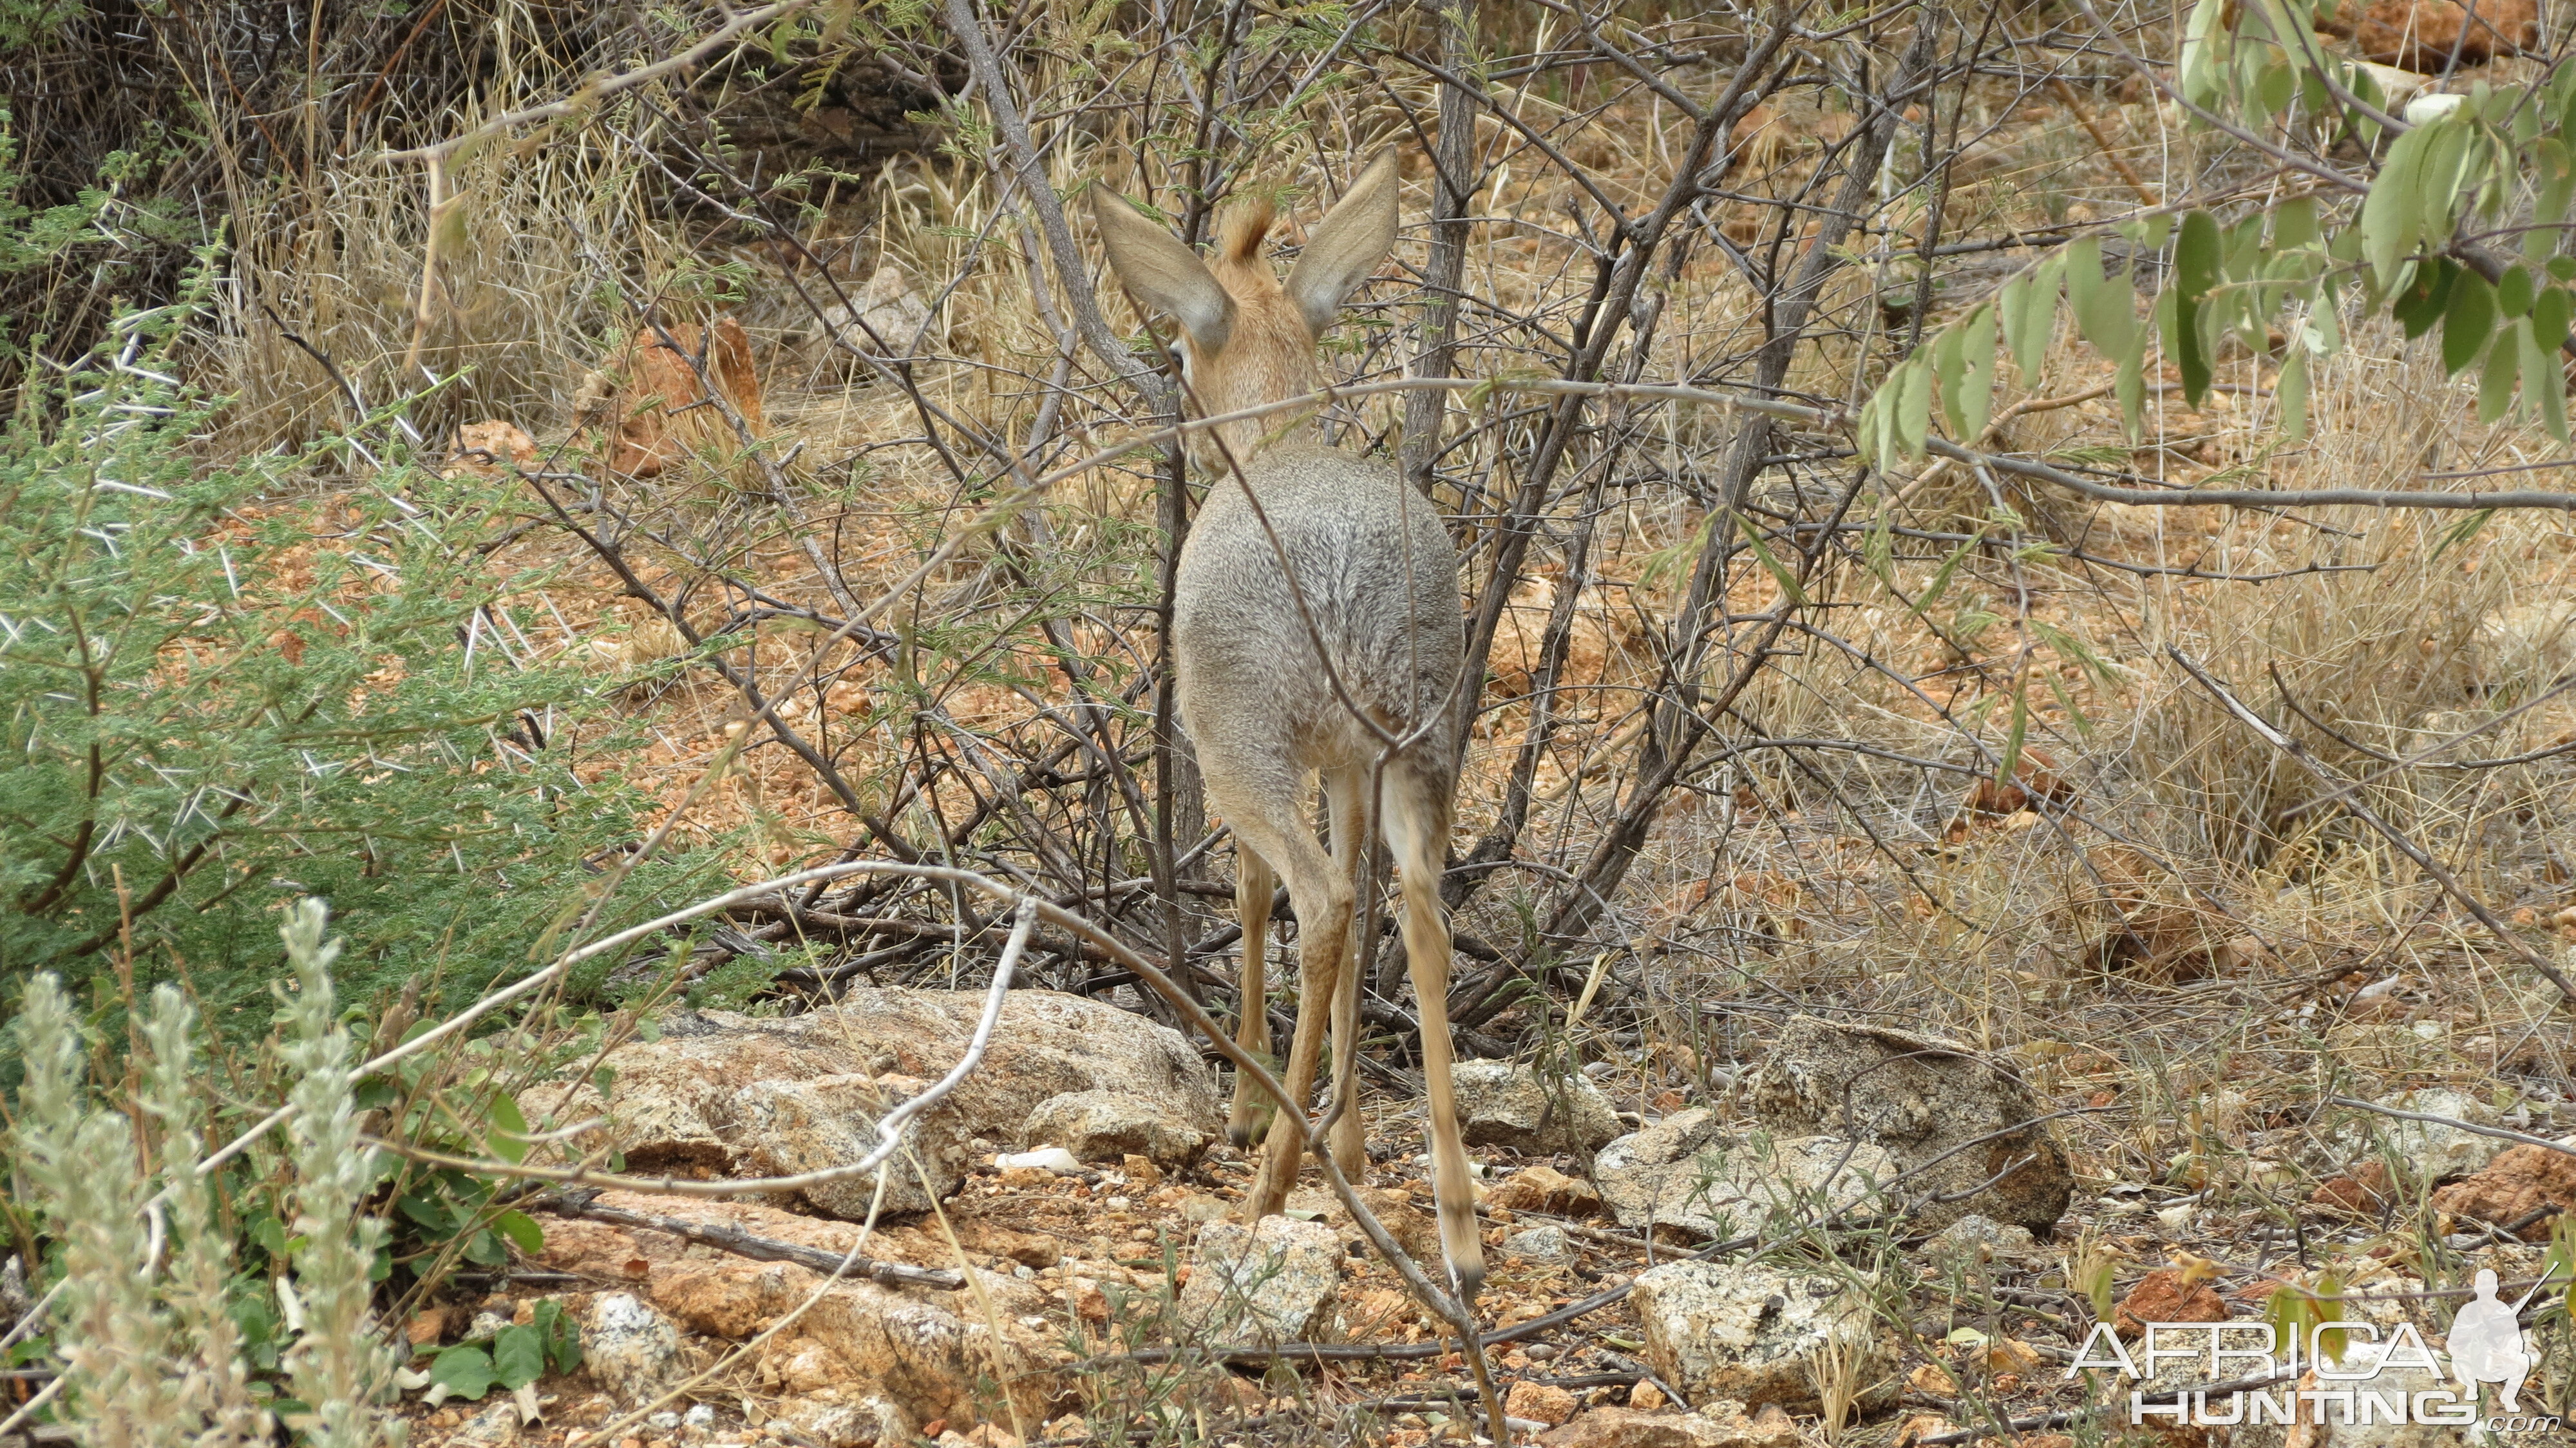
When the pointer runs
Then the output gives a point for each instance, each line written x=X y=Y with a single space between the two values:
x=744 y=1244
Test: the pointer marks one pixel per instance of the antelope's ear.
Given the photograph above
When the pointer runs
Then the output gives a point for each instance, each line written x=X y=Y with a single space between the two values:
x=1163 y=275
x=1347 y=245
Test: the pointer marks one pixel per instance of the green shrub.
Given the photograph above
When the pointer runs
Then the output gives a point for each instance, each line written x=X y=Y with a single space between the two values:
x=216 y=697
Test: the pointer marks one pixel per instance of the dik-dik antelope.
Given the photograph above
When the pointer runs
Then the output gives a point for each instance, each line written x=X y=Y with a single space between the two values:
x=1298 y=544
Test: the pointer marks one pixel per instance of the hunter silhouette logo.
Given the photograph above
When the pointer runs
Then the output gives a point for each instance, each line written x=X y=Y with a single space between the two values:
x=2343 y=1371
x=2486 y=1343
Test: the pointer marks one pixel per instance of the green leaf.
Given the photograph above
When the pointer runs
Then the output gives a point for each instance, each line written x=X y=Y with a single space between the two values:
x=2392 y=214
x=2129 y=385
x=562 y=1336
x=2196 y=255
x=2495 y=384
x=2549 y=316
x=518 y=1357
x=1940 y=583
x=2294 y=224
x=484 y=1249
x=2028 y=331
x=2178 y=317
x=2544 y=387
x=2468 y=321
x=2515 y=292
x=1787 y=580
x=2418 y=305
x=509 y=1138
x=2290 y=391
x=431 y=1215
x=1977 y=377
x=1948 y=365
x=2104 y=306
x=1912 y=415
x=523 y=1232
x=464 y=1370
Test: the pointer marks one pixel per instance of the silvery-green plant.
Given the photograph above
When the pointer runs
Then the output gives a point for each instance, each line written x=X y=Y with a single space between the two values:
x=141 y=1325
x=340 y=1365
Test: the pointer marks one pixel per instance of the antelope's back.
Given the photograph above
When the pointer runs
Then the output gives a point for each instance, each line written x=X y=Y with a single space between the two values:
x=1379 y=579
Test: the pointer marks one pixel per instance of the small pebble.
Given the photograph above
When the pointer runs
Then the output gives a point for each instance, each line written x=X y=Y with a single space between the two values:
x=664 y=1421
x=1539 y=1352
x=1119 y=1204
x=700 y=1415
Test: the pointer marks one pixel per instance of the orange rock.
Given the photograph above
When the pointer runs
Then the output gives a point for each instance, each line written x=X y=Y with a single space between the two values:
x=2167 y=1295
x=2520 y=1181
x=2427 y=35
x=484 y=449
x=1545 y=1189
x=2363 y=1190
x=2035 y=777
x=654 y=408
x=1539 y=1403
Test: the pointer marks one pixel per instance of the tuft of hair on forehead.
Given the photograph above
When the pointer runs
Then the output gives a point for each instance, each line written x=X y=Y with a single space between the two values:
x=1240 y=233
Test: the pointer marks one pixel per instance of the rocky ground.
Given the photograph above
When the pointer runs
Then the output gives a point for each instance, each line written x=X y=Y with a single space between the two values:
x=1894 y=1233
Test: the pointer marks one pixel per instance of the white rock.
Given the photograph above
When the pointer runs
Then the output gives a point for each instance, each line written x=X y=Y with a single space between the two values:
x=1971 y=1129
x=1270 y=1283
x=1046 y=1158
x=494 y=1427
x=1545 y=1243
x=887 y=306
x=1518 y=1106
x=1970 y=1232
x=742 y=1096
x=630 y=1349
x=1755 y=1335
x=1687 y=1173
x=2429 y=1148
x=1112 y=1125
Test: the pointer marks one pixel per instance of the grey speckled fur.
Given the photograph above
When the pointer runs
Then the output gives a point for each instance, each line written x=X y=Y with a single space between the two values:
x=1380 y=581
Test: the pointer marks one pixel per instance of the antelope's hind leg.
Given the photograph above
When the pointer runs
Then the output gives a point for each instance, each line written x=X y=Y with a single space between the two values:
x=1254 y=883
x=1417 y=822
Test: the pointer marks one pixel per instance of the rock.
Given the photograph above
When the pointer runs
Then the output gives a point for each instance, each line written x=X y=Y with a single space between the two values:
x=1686 y=1173
x=496 y=1426
x=1956 y=1115
x=1545 y=1189
x=1045 y=1161
x=1539 y=1403
x=2429 y=1151
x=1977 y=1235
x=2141 y=916
x=1414 y=1229
x=489 y=449
x=887 y=318
x=651 y=406
x=902 y=1356
x=1721 y=1424
x=793 y=1127
x=1109 y=1126
x=834 y=1425
x=1520 y=1107
x=2168 y=1294
x=2363 y=1190
x=1756 y=1335
x=630 y=1349
x=2426 y=35
x=2520 y=1181
x=1546 y=1243
x=741 y=1096
x=1271 y=1282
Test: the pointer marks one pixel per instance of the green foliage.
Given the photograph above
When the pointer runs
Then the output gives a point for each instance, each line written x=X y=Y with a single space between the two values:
x=2452 y=182
x=215 y=697
x=513 y=1357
